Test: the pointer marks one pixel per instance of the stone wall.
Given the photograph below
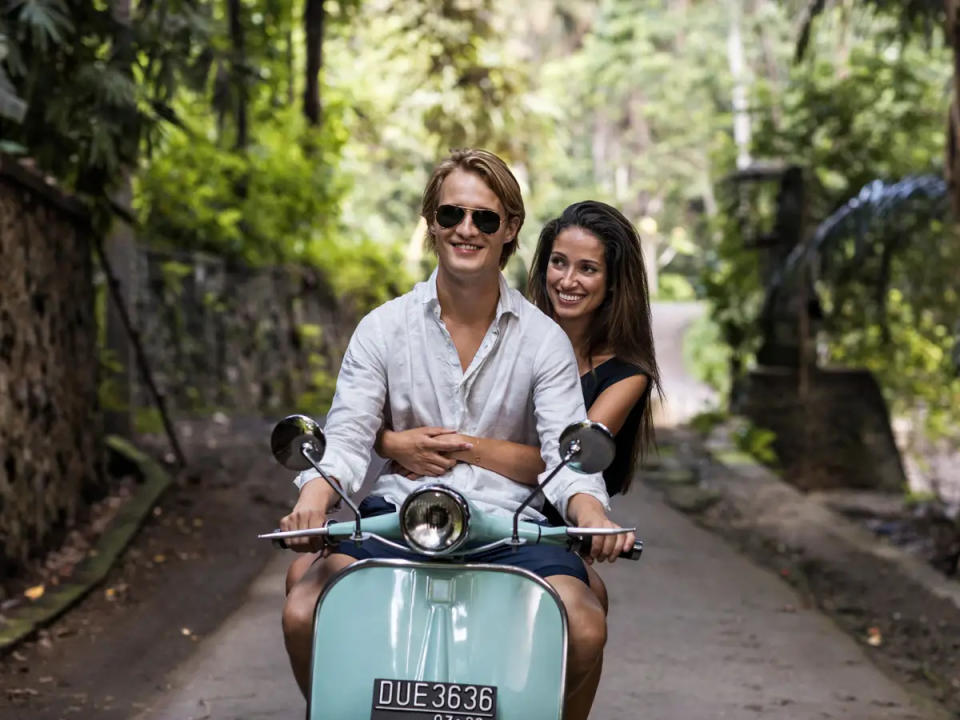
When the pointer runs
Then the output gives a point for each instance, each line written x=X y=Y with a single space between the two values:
x=50 y=438
x=221 y=337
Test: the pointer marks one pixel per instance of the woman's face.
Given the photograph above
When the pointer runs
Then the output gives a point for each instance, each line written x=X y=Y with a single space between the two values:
x=576 y=274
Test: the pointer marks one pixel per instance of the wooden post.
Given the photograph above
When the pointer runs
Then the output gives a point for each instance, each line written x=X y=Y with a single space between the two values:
x=952 y=164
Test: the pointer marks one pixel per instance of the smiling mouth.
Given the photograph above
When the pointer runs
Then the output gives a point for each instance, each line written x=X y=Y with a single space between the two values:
x=568 y=298
x=470 y=247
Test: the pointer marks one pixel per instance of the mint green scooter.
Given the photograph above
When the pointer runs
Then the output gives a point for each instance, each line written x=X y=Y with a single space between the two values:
x=441 y=639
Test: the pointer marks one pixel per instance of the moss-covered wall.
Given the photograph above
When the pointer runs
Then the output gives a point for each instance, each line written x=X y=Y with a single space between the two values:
x=258 y=341
x=50 y=437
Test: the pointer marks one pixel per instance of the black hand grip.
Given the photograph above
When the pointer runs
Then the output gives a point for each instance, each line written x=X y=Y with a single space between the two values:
x=281 y=543
x=583 y=547
x=635 y=552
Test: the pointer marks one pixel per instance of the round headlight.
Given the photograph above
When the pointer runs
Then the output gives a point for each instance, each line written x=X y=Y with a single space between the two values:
x=434 y=520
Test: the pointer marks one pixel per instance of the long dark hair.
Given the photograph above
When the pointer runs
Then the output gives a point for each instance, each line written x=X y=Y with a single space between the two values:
x=622 y=322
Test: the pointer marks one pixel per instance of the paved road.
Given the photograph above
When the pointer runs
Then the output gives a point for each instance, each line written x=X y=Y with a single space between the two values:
x=697 y=631
x=684 y=396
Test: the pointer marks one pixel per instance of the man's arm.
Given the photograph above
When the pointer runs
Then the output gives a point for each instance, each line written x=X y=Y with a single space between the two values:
x=558 y=401
x=356 y=413
x=353 y=421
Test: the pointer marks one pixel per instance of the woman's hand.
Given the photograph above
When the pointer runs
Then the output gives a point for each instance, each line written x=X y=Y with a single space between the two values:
x=586 y=511
x=423 y=451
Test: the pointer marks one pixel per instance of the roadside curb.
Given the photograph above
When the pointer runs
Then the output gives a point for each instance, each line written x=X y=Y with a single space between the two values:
x=23 y=621
x=868 y=586
x=774 y=506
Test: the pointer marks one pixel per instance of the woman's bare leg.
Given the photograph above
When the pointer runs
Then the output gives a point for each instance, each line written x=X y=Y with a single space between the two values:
x=587 y=634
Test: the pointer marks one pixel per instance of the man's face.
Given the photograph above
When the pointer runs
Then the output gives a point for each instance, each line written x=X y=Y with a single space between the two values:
x=463 y=249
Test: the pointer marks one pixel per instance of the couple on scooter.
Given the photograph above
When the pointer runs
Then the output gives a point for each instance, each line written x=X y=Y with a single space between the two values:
x=474 y=383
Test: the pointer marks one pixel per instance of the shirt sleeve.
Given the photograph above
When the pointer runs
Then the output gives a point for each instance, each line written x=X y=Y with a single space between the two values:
x=357 y=410
x=558 y=401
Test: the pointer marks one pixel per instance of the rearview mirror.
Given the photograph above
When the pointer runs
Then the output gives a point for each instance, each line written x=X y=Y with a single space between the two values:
x=288 y=438
x=592 y=446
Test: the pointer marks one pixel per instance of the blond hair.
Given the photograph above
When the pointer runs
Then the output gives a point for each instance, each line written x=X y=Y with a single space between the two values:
x=494 y=172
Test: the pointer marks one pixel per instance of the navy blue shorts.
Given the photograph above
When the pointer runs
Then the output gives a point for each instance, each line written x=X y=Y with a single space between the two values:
x=542 y=560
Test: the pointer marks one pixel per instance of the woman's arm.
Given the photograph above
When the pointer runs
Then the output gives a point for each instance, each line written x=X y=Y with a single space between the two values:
x=432 y=451
x=614 y=404
x=422 y=451
x=521 y=463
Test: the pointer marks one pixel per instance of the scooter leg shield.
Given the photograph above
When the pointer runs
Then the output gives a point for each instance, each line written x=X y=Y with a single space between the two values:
x=476 y=625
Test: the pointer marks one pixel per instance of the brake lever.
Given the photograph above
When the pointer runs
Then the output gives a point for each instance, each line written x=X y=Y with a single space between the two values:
x=281 y=543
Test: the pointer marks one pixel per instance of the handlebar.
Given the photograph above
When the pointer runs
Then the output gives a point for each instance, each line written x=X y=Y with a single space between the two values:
x=581 y=545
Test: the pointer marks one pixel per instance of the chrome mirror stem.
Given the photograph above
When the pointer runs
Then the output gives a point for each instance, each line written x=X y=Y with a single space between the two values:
x=311 y=454
x=572 y=451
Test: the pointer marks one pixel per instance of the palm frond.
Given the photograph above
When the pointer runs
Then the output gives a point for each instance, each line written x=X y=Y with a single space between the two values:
x=47 y=21
x=879 y=220
x=12 y=106
x=912 y=16
x=108 y=85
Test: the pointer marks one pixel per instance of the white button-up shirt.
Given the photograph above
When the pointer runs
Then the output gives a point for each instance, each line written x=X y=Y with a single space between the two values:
x=402 y=369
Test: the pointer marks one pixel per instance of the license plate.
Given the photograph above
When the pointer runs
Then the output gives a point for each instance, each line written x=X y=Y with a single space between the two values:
x=418 y=700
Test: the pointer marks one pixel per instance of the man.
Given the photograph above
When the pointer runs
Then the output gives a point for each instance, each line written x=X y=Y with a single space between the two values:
x=461 y=351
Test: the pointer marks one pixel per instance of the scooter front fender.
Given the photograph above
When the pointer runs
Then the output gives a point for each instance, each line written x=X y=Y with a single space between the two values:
x=460 y=623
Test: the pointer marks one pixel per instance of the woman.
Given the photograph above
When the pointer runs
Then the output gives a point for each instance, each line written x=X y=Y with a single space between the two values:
x=588 y=275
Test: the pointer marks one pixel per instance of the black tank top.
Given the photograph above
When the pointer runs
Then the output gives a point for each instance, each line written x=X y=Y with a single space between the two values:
x=592 y=384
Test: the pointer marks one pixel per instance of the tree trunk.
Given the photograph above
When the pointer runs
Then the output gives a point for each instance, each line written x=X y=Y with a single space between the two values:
x=238 y=70
x=953 y=122
x=290 y=71
x=741 y=115
x=313 y=20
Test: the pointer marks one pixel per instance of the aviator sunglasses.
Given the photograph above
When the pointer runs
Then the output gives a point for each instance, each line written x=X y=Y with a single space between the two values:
x=486 y=221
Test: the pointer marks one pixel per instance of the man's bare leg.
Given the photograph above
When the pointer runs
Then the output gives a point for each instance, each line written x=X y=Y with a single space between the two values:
x=586 y=634
x=297 y=569
x=580 y=701
x=599 y=588
x=299 y=609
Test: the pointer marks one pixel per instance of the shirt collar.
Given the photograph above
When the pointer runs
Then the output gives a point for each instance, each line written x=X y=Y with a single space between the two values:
x=506 y=304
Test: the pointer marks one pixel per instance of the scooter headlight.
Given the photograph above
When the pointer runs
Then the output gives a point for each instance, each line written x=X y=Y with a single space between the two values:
x=434 y=520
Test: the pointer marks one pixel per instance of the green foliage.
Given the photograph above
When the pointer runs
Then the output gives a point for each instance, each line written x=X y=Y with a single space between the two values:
x=95 y=88
x=674 y=287
x=730 y=279
x=277 y=201
x=148 y=420
x=865 y=103
x=266 y=204
x=756 y=442
x=705 y=422
x=877 y=113
x=419 y=79
x=706 y=355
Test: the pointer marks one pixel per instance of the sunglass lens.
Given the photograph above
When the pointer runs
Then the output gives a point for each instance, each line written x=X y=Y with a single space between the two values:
x=487 y=221
x=449 y=216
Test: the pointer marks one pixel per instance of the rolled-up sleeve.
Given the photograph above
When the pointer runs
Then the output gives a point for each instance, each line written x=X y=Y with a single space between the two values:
x=357 y=410
x=558 y=401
